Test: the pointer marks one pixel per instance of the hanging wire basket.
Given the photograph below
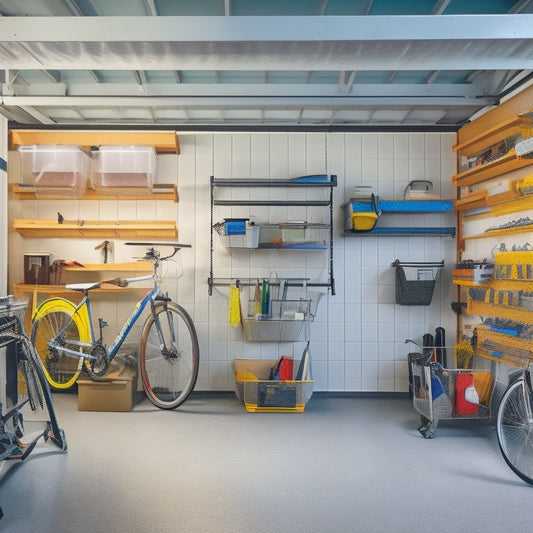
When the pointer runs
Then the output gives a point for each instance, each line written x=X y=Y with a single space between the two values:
x=415 y=282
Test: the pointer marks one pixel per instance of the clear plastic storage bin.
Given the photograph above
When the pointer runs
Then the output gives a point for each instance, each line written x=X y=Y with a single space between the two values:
x=55 y=169
x=124 y=169
x=247 y=238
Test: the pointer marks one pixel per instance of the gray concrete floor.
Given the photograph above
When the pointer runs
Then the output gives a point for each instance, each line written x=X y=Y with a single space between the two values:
x=345 y=464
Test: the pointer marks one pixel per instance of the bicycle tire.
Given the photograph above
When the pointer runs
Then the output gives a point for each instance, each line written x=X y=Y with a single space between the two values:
x=169 y=378
x=514 y=427
x=61 y=370
x=30 y=384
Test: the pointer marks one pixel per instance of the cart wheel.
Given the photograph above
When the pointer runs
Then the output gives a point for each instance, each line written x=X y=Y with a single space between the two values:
x=428 y=427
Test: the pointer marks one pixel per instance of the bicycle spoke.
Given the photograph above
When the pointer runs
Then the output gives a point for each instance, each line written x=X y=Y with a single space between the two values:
x=515 y=430
x=169 y=357
x=53 y=328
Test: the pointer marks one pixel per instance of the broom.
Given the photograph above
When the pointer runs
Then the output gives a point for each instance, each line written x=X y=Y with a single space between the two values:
x=463 y=353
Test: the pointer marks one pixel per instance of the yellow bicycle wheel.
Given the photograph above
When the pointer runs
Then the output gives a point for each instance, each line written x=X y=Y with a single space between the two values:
x=57 y=319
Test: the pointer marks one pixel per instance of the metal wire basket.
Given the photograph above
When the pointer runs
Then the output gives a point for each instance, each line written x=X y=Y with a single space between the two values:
x=11 y=310
x=439 y=393
x=415 y=282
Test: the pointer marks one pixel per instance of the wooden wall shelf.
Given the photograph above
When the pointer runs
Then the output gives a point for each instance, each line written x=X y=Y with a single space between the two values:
x=128 y=229
x=499 y=232
x=476 y=145
x=21 y=289
x=408 y=231
x=502 y=165
x=162 y=141
x=160 y=192
x=133 y=266
x=482 y=199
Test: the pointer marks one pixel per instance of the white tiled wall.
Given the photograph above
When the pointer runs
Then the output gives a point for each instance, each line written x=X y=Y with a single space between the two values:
x=357 y=337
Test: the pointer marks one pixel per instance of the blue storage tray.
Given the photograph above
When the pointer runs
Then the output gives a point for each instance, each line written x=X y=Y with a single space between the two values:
x=416 y=206
x=413 y=231
x=313 y=178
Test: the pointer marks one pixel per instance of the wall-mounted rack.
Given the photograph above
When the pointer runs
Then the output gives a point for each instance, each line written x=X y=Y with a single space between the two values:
x=305 y=182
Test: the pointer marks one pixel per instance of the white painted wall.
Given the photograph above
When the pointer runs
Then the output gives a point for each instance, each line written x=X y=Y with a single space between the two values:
x=357 y=337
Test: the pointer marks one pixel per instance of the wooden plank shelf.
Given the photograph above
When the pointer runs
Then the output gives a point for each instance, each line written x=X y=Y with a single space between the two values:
x=403 y=232
x=133 y=266
x=160 y=192
x=475 y=145
x=502 y=165
x=163 y=141
x=21 y=289
x=128 y=229
x=503 y=231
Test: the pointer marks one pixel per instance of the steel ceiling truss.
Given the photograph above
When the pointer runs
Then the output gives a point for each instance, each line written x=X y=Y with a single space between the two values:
x=155 y=69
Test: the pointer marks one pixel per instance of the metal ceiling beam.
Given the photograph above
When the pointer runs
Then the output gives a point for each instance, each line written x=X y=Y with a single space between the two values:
x=54 y=77
x=439 y=7
x=94 y=76
x=433 y=76
x=215 y=90
x=73 y=6
x=140 y=78
x=513 y=54
x=366 y=7
x=43 y=119
x=265 y=28
x=244 y=101
x=150 y=8
x=520 y=6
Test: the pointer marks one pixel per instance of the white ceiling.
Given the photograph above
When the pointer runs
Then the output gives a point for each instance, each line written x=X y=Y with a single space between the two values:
x=251 y=63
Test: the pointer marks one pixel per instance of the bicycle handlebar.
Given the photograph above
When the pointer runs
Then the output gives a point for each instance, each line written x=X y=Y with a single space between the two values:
x=152 y=253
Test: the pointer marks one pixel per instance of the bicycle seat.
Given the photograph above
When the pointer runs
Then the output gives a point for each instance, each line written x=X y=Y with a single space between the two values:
x=82 y=286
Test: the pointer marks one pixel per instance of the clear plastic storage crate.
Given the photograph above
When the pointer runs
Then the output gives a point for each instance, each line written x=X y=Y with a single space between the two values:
x=55 y=169
x=248 y=238
x=124 y=169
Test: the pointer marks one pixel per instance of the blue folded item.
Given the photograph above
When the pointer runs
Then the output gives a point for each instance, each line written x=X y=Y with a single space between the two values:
x=507 y=331
x=436 y=387
x=235 y=226
x=314 y=178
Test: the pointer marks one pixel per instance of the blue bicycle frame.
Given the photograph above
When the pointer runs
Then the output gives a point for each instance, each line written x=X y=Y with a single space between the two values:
x=127 y=326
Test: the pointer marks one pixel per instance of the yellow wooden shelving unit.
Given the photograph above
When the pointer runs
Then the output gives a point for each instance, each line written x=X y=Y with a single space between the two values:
x=160 y=192
x=128 y=229
x=503 y=299
x=131 y=266
x=162 y=141
x=502 y=165
x=515 y=125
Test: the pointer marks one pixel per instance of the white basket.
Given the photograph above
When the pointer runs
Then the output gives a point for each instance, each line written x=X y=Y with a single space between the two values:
x=249 y=239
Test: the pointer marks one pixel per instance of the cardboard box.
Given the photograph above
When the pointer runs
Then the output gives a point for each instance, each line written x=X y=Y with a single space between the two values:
x=116 y=391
